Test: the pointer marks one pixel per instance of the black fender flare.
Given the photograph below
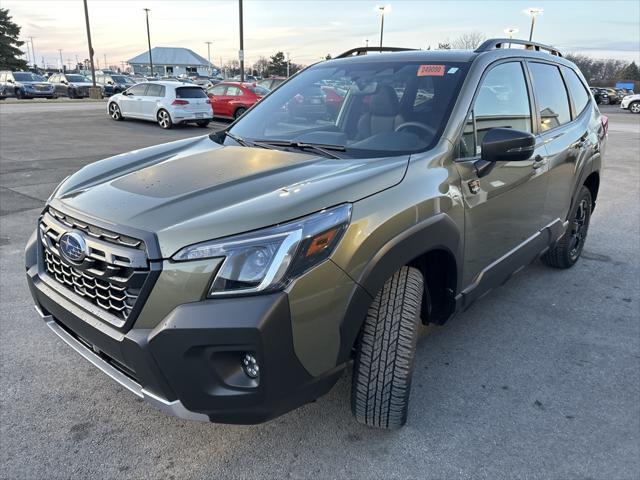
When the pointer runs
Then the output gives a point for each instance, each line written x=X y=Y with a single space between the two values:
x=593 y=164
x=436 y=232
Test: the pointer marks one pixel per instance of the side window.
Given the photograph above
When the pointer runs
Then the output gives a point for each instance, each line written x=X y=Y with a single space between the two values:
x=551 y=95
x=137 y=90
x=234 y=92
x=154 y=90
x=577 y=90
x=3 y=77
x=217 y=91
x=502 y=101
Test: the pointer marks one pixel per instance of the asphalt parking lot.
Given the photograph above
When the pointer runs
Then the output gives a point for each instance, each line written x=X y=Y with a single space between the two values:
x=540 y=379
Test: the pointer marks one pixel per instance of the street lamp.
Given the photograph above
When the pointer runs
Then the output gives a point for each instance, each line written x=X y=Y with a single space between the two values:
x=241 y=52
x=533 y=12
x=94 y=91
x=510 y=31
x=146 y=12
x=209 y=55
x=382 y=10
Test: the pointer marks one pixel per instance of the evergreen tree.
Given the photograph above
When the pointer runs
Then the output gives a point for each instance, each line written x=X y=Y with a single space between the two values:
x=10 y=52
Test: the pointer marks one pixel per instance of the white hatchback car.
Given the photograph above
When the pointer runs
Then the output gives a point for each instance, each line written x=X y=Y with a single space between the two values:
x=168 y=103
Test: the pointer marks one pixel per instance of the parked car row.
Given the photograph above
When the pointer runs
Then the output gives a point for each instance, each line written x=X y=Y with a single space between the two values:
x=609 y=95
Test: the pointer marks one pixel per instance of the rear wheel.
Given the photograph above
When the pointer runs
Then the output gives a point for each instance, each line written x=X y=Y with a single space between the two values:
x=164 y=119
x=635 y=107
x=566 y=252
x=239 y=112
x=114 y=111
x=385 y=352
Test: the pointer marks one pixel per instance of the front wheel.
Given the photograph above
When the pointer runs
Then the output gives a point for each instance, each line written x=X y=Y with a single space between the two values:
x=385 y=352
x=635 y=107
x=19 y=94
x=566 y=252
x=114 y=111
x=164 y=119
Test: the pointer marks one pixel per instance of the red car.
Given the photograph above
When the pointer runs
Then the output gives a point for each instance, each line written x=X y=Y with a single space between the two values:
x=232 y=99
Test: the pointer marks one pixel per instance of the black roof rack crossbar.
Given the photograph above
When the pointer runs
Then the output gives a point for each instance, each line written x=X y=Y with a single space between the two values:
x=363 y=51
x=495 y=43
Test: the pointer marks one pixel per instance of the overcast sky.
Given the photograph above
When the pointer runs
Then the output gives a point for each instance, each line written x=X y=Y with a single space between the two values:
x=311 y=29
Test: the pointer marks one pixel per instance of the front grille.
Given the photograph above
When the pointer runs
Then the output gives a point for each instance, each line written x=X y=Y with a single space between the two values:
x=113 y=273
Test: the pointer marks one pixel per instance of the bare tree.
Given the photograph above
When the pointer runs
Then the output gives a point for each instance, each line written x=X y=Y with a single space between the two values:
x=468 y=41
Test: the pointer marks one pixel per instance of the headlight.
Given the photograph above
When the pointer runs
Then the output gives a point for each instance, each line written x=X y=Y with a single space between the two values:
x=267 y=259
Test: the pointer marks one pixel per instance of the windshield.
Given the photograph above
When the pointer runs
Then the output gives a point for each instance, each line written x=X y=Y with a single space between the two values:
x=371 y=108
x=27 y=77
x=121 y=79
x=77 y=78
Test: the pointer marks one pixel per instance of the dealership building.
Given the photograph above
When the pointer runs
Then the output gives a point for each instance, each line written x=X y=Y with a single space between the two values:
x=171 y=61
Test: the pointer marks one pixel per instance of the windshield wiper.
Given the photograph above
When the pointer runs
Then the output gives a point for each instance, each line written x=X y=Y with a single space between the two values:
x=326 y=150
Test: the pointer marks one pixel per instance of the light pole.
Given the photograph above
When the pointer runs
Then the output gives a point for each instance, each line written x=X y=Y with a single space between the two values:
x=288 y=63
x=26 y=41
x=209 y=55
x=61 y=62
x=366 y=42
x=241 y=52
x=510 y=31
x=105 y=61
x=533 y=12
x=146 y=12
x=94 y=92
x=33 y=52
x=382 y=11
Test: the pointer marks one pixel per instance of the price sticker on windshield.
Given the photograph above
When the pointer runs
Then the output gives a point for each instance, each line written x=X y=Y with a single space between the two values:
x=431 y=71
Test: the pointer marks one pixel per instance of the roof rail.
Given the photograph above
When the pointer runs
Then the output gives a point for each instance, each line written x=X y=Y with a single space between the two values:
x=495 y=43
x=363 y=51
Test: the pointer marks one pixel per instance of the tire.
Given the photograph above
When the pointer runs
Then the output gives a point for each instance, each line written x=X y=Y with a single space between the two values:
x=115 y=112
x=164 y=119
x=385 y=352
x=239 y=112
x=634 y=107
x=566 y=252
x=70 y=93
x=203 y=123
x=19 y=94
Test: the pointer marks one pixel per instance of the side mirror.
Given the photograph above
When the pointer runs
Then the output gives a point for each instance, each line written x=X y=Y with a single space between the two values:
x=109 y=82
x=507 y=145
x=9 y=81
x=64 y=82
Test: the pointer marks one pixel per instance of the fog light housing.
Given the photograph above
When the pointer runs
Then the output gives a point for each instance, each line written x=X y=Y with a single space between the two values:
x=250 y=366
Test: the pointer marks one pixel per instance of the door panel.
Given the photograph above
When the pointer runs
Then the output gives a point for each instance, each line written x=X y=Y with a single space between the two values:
x=569 y=146
x=504 y=208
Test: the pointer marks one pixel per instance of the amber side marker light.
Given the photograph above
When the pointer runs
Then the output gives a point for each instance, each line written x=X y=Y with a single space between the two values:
x=320 y=242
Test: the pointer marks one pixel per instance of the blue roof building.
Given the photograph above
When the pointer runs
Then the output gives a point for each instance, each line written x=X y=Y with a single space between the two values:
x=171 y=61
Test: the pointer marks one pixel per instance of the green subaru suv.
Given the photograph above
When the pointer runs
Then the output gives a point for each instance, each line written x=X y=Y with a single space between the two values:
x=233 y=277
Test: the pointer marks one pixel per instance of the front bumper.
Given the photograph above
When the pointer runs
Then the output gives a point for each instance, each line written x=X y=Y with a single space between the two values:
x=38 y=93
x=189 y=365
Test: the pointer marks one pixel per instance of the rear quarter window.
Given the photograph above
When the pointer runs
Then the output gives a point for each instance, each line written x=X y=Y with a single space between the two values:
x=551 y=94
x=578 y=91
x=190 y=92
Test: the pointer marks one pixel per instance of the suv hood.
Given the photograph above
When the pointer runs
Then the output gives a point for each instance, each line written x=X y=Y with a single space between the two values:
x=195 y=190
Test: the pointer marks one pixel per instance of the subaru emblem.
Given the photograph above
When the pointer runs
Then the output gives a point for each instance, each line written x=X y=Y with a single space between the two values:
x=73 y=247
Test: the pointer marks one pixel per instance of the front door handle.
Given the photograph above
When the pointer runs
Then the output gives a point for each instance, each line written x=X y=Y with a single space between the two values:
x=539 y=161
